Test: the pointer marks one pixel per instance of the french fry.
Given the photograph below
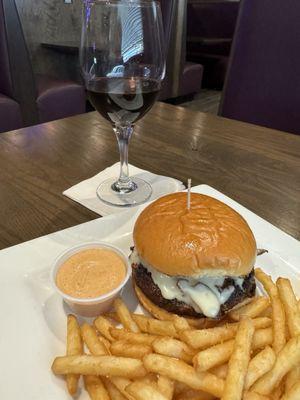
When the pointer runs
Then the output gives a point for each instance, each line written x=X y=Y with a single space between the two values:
x=180 y=387
x=221 y=353
x=74 y=347
x=99 y=365
x=134 y=338
x=267 y=312
x=192 y=394
x=113 y=316
x=252 y=310
x=184 y=392
x=254 y=396
x=238 y=363
x=103 y=326
x=95 y=388
x=155 y=326
x=133 y=372
x=142 y=321
x=213 y=356
x=203 y=338
x=259 y=365
x=121 y=384
x=220 y=371
x=290 y=305
x=262 y=338
x=165 y=386
x=287 y=358
x=293 y=393
x=180 y=323
x=277 y=393
x=125 y=316
x=173 y=348
x=292 y=377
x=182 y=372
x=262 y=322
x=144 y=391
x=278 y=315
x=90 y=338
x=292 y=313
x=105 y=342
x=125 y=349
x=149 y=379
x=113 y=392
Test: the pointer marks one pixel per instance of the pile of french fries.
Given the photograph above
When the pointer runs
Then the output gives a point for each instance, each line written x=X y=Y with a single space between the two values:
x=253 y=355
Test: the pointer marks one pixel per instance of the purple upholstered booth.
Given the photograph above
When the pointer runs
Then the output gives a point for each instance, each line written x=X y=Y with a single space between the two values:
x=58 y=98
x=210 y=29
x=41 y=98
x=263 y=82
x=10 y=113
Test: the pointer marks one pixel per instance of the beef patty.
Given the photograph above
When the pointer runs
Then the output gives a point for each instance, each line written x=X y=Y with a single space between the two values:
x=144 y=281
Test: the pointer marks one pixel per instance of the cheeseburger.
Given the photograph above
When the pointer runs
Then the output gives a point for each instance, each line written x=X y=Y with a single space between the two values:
x=197 y=262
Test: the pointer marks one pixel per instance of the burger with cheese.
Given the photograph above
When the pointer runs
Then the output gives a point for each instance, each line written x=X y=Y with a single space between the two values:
x=196 y=262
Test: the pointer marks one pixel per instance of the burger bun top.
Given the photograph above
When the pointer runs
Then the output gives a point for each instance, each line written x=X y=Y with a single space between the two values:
x=209 y=239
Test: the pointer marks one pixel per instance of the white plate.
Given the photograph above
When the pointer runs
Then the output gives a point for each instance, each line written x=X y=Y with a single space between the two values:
x=33 y=319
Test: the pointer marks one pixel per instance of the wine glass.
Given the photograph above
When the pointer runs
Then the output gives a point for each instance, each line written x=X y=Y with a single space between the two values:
x=123 y=63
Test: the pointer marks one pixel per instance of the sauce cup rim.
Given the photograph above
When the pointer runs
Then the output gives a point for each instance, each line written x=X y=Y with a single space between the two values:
x=76 y=249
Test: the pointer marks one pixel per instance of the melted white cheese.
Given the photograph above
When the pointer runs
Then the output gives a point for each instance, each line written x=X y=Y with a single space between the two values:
x=213 y=283
x=201 y=293
x=205 y=299
x=239 y=281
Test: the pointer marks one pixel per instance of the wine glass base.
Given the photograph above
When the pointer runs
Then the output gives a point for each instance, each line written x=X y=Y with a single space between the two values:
x=140 y=194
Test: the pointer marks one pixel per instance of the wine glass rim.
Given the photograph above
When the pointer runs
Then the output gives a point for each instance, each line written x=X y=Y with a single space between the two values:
x=125 y=2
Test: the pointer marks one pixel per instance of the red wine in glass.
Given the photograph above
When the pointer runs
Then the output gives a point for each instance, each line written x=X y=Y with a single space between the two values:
x=122 y=101
x=123 y=64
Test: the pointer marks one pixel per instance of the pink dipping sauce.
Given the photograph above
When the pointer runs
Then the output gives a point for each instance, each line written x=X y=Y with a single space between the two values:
x=91 y=273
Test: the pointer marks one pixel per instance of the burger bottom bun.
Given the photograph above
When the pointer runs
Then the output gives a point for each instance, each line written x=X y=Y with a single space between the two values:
x=163 y=315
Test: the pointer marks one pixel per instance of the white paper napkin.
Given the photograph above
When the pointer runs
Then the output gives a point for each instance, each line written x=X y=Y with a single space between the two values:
x=85 y=191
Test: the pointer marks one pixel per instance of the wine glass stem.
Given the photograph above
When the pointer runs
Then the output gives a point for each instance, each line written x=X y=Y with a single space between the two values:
x=124 y=183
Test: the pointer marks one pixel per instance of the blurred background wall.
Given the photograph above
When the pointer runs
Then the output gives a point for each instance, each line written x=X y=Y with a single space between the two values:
x=51 y=21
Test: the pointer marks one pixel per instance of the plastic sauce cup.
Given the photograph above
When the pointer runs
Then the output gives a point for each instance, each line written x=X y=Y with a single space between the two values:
x=90 y=307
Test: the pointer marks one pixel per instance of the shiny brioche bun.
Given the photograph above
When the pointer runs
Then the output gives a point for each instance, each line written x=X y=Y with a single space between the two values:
x=165 y=315
x=210 y=239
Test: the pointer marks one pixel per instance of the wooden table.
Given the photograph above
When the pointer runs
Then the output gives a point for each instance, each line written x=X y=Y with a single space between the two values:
x=258 y=167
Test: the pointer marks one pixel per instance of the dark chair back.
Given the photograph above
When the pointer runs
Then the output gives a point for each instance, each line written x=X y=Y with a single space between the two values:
x=211 y=19
x=263 y=78
x=5 y=77
x=16 y=75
